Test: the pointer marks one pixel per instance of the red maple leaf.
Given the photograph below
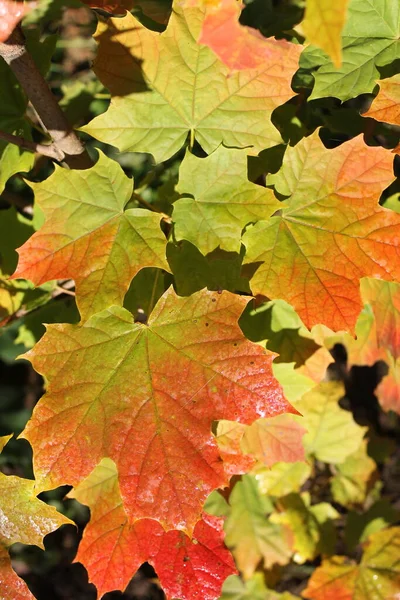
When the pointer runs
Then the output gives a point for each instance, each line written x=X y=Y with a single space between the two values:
x=146 y=397
x=112 y=550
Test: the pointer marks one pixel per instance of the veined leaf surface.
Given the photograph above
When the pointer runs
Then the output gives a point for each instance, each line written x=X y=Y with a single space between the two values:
x=163 y=90
x=146 y=396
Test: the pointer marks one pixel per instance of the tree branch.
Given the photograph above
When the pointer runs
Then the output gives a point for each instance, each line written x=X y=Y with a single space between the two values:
x=65 y=140
x=50 y=150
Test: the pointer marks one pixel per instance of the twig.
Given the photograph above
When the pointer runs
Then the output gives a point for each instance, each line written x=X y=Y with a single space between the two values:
x=50 y=150
x=14 y=52
x=143 y=202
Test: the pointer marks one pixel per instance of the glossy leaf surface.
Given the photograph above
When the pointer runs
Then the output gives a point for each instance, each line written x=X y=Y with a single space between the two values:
x=11 y=13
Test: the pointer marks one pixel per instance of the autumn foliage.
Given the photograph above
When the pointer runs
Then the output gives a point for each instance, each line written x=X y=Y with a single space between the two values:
x=239 y=223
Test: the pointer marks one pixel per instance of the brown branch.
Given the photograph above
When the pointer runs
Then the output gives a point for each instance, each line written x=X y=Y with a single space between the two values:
x=50 y=150
x=68 y=145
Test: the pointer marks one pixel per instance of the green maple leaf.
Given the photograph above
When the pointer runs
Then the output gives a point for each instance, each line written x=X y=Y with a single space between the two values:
x=166 y=86
x=350 y=483
x=371 y=39
x=332 y=434
x=218 y=200
x=250 y=534
x=312 y=526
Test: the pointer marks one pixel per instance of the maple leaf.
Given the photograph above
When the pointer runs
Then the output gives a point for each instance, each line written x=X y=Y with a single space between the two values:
x=89 y=237
x=267 y=441
x=237 y=46
x=384 y=299
x=371 y=39
x=312 y=526
x=229 y=437
x=378 y=574
x=162 y=90
x=283 y=478
x=218 y=200
x=112 y=549
x=11 y=12
x=251 y=535
x=330 y=233
x=252 y=589
x=349 y=485
x=146 y=396
x=386 y=106
x=277 y=325
x=274 y=440
x=332 y=434
x=24 y=519
x=323 y=23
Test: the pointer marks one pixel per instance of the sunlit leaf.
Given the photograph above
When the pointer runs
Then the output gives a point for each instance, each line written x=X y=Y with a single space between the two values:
x=370 y=41
x=275 y=439
x=250 y=534
x=283 y=478
x=112 y=550
x=323 y=24
x=218 y=200
x=386 y=106
x=332 y=434
x=89 y=237
x=376 y=577
x=146 y=396
x=163 y=91
x=330 y=233
x=25 y=519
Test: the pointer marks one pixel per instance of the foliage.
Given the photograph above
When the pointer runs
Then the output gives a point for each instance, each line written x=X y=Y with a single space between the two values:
x=216 y=258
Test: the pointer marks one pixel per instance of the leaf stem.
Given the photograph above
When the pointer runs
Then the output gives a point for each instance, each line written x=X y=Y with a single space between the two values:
x=49 y=150
x=143 y=202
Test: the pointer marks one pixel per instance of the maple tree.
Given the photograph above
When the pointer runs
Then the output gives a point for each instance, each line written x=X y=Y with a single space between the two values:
x=191 y=232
